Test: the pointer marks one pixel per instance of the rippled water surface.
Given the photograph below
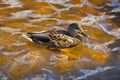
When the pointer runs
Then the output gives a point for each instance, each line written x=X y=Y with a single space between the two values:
x=21 y=59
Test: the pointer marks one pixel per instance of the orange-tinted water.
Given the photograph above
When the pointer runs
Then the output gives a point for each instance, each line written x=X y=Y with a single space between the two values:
x=21 y=59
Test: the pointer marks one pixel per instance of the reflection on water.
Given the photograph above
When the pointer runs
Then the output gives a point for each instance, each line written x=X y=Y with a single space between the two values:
x=24 y=60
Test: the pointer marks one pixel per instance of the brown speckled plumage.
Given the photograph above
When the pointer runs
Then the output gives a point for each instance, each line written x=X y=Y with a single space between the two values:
x=63 y=41
x=58 y=38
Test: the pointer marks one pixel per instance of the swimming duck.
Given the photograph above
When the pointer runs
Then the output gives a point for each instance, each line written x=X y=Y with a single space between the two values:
x=58 y=38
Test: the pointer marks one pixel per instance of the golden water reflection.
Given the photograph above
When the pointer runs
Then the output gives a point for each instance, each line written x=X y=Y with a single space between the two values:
x=19 y=57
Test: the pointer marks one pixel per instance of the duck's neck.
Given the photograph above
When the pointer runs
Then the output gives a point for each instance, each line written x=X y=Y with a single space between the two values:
x=71 y=31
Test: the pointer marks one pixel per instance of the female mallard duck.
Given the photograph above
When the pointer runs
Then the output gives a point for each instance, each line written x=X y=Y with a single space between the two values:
x=58 y=38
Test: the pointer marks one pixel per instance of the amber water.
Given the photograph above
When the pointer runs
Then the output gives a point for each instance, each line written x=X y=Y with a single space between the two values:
x=97 y=59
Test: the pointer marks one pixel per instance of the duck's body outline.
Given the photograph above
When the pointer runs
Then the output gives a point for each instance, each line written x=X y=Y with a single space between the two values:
x=57 y=38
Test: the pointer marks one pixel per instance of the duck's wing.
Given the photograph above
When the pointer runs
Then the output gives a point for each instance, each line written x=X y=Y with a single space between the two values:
x=38 y=37
x=43 y=36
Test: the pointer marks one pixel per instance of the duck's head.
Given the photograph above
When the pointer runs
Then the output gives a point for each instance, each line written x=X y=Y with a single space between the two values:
x=75 y=31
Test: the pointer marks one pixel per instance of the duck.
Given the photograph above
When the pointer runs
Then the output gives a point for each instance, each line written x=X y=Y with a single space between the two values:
x=58 y=38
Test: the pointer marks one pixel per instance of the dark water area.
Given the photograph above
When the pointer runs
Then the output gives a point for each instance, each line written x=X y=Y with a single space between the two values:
x=98 y=59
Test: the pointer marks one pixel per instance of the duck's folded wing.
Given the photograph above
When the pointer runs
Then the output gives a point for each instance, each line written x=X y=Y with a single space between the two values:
x=38 y=37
